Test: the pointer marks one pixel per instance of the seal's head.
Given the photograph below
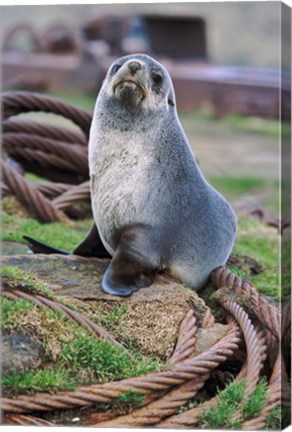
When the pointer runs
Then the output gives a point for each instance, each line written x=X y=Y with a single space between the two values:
x=136 y=81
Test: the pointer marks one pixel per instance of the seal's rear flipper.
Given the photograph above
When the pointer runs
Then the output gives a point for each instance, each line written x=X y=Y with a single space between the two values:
x=134 y=264
x=92 y=246
x=39 y=247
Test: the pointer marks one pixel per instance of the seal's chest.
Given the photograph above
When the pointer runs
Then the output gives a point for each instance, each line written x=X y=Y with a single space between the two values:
x=119 y=160
x=119 y=181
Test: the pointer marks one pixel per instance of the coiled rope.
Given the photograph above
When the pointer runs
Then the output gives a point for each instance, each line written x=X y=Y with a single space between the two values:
x=54 y=152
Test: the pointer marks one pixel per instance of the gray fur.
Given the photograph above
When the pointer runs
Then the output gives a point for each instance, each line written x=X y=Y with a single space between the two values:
x=143 y=171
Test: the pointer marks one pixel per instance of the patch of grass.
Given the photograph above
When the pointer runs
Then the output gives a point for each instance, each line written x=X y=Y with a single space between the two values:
x=230 y=401
x=236 y=186
x=286 y=260
x=240 y=123
x=27 y=318
x=68 y=347
x=17 y=278
x=130 y=398
x=256 y=401
x=144 y=365
x=256 y=125
x=238 y=271
x=35 y=178
x=274 y=421
x=221 y=416
x=107 y=360
x=279 y=418
x=261 y=243
x=268 y=283
x=110 y=319
x=49 y=379
x=56 y=234
x=12 y=310
x=189 y=405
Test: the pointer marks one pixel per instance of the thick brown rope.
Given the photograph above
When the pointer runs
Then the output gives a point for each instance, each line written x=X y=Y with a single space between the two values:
x=157 y=410
x=31 y=197
x=107 y=392
x=274 y=397
x=54 y=152
x=267 y=313
x=190 y=418
x=185 y=345
x=52 y=190
x=46 y=130
x=19 y=146
x=23 y=420
x=15 y=103
x=262 y=347
x=252 y=345
x=74 y=194
x=254 y=357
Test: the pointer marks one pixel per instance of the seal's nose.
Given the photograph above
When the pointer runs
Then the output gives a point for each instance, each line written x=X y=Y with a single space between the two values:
x=134 y=66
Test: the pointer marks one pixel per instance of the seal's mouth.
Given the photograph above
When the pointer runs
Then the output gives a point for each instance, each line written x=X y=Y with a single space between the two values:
x=129 y=86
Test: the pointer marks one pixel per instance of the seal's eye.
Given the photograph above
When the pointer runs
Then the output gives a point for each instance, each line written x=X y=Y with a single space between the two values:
x=115 y=68
x=157 y=77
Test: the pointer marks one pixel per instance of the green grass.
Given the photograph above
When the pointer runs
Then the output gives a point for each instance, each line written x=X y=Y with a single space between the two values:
x=236 y=186
x=109 y=319
x=230 y=402
x=56 y=234
x=221 y=415
x=256 y=401
x=12 y=310
x=286 y=261
x=38 y=380
x=130 y=398
x=239 y=123
x=107 y=361
x=279 y=418
x=17 y=278
x=34 y=178
x=71 y=355
x=255 y=241
x=256 y=125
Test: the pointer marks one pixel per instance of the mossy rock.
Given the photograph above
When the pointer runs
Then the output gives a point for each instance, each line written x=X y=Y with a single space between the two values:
x=149 y=319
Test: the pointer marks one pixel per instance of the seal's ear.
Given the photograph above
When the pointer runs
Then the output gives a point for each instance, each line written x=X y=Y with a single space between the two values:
x=170 y=101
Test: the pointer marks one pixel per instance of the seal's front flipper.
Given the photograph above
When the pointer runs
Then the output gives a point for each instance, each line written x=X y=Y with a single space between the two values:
x=134 y=264
x=37 y=246
x=92 y=246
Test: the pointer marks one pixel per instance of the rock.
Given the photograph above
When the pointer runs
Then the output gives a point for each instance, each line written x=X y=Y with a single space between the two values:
x=19 y=353
x=209 y=336
x=12 y=248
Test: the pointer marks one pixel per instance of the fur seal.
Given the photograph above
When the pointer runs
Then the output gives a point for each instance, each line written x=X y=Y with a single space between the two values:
x=153 y=209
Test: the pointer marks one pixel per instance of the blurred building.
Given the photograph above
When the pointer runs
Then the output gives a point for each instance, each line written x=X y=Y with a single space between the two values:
x=225 y=55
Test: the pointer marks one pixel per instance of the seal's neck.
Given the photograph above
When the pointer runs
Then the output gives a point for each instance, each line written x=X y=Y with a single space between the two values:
x=114 y=115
